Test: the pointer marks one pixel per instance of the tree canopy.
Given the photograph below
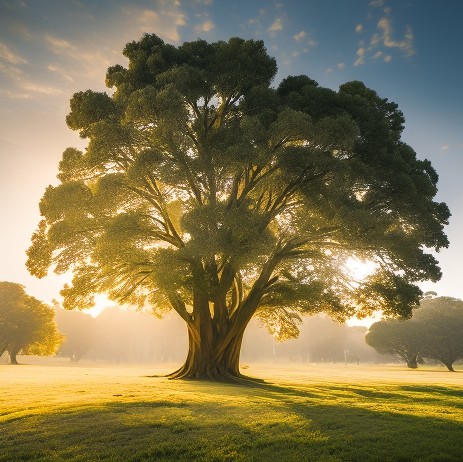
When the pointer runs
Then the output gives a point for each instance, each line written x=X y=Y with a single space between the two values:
x=397 y=336
x=441 y=319
x=26 y=324
x=205 y=190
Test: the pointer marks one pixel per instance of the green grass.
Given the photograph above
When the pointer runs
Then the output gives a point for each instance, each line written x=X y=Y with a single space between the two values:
x=59 y=412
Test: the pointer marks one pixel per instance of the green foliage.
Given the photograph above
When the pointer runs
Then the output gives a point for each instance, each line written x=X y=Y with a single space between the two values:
x=396 y=336
x=204 y=188
x=26 y=324
x=435 y=332
x=89 y=107
x=441 y=321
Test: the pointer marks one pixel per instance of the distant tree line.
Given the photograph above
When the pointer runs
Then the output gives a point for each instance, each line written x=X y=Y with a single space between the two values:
x=28 y=326
x=126 y=336
x=320 y=340
x=434 y=332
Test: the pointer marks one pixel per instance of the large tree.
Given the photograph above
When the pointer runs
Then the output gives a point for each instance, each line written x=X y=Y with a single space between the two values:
x=26 y=324
x=205 y=190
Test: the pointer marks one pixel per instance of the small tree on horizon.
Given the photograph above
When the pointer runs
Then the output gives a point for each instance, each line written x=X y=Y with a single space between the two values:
x=207 y=191
x=435 y=332
x=441 y=321
x=396 y=336
x=26 y=324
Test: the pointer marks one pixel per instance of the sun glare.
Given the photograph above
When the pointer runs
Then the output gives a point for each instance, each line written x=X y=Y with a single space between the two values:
x=101 y=303
x=358 y=269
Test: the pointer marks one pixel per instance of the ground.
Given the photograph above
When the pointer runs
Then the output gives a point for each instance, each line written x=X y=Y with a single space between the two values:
x=51 y=410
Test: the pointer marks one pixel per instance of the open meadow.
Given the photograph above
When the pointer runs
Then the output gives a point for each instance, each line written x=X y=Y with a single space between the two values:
x=51 y=410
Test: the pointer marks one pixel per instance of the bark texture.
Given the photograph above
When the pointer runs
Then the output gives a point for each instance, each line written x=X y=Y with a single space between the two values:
x=215 y=357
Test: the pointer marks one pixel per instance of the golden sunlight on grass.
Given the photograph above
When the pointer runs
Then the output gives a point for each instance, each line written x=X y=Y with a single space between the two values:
x=329 y=413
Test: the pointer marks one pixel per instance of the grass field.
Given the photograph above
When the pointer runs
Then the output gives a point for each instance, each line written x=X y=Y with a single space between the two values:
x=56 y=411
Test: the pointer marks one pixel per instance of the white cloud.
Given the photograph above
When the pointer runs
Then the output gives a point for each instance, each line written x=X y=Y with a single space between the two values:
x=148 y=17
x=257 y=21
x=375 y=40
x=42 y=89
x=360 y=57
x=205 y=27
x=7 y=55
x=383 y=40
x=87 y=60
x=405 y=45
x=12 y=72
x=340 y=66
x=15 y=95
x=60 y=71
x=82 y=63
x=299 y=36
x=58 y=45
x=21 y=85
x=445 y=147
x=328 y=70
x=276 y=26
x=309 y=45
x=165 y=21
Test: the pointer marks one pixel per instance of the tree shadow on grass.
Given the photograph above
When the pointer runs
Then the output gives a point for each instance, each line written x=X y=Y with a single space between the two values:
x=445 y=391
x=262 y=423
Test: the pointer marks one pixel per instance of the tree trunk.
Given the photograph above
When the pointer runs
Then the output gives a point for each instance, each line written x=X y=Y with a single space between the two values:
x=215 y=337
x=216 y=361
x=13 y=355
x=449 y=366
x=412 y=361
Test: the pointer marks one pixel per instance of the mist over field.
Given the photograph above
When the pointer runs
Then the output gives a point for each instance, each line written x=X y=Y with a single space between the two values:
x=127 y=337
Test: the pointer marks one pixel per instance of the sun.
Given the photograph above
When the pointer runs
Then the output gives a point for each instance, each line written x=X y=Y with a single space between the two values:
x=101 y=303
x=358 y=270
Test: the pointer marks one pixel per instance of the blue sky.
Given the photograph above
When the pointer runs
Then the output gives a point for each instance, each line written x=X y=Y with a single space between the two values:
x=409 y=51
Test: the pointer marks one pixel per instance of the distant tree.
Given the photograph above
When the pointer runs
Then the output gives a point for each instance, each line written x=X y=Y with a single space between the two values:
x=26 y=324
x=78 y=330
x=441 y=323
x=326 y=339
x=205 y=190
x=396 y=336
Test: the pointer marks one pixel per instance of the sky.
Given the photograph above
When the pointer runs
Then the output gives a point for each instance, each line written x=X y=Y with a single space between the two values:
x=409 y=51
